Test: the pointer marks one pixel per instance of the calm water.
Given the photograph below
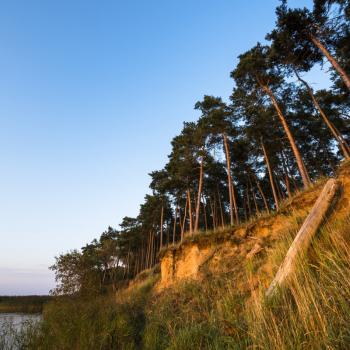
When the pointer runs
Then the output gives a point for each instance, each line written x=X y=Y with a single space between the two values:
x=10 y=322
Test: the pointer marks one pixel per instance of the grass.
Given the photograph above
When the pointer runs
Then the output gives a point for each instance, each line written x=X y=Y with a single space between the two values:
x=225 y=309
x=312 y=312
x=99 y=323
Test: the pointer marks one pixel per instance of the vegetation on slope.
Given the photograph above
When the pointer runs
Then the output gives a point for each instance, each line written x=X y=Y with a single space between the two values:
x=225 y=310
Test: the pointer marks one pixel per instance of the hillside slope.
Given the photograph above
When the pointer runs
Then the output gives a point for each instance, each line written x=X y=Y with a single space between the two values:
x=225 y=250
x=211 y=291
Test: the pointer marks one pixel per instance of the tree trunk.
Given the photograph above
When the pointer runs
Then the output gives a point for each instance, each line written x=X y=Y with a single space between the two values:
x=154 y=247
x=180 y=224
x=261 y=193
x=161 y=227
x=272 y=182
x=302 y=169
x=286 y=176
x=175 y=219
x=233 y=203
x=184 y=220
x=190 y=211
x=200 y=185
x=248 y=202
x=220 y=205
x=338 y=136
x=148 y=253
x=204 y=215
x=245 y=208
x=289 y=172
x=167 y=234
x=303 y=238
x=151 y=251
x=279 y=186
x=253 y=195
x=332 y=60
x=212 y=213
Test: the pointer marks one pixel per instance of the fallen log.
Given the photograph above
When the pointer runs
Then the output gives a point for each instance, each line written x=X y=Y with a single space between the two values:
x=303 y=238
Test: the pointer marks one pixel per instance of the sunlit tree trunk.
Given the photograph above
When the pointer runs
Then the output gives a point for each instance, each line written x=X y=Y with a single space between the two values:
x=337 y=135
x=175 y=220
x=332 y=60
x=184 y=220
x=200 y=185
x=301 y=166
x=161 y=227
x=233 y=202
x=269 y=170
x=190 y=211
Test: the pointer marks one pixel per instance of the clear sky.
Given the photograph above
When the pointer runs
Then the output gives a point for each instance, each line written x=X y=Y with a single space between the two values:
x=91 y=94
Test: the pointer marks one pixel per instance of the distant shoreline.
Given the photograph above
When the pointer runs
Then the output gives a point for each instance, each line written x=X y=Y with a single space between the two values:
x=30 y=304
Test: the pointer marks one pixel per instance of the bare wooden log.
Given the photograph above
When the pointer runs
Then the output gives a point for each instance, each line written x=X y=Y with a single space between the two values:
x=305 y=234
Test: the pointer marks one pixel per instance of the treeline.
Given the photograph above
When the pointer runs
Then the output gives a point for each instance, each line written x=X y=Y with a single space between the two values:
x=25 y=304
x=276 y=135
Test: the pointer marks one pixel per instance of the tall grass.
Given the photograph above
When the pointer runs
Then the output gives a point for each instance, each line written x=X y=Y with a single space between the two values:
x=223 y=310
x=313 y=311
x=92 y=324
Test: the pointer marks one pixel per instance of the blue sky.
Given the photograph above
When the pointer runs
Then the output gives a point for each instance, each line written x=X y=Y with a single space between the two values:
x=91 y=94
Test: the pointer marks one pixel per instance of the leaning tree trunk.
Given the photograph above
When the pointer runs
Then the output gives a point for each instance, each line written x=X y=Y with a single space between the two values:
x=332 y=60
x=303 y=238
x=302 y=169
x=338 y=136
x=233 y=203
x=200 y=185
x=272 y=182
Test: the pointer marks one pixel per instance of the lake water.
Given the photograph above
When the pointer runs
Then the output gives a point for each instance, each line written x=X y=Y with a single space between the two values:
x=10 y=322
